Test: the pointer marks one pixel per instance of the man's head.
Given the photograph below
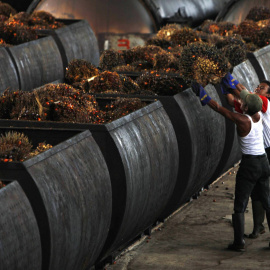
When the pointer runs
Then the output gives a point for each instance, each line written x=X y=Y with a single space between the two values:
x=263 y=89
x=251 y=103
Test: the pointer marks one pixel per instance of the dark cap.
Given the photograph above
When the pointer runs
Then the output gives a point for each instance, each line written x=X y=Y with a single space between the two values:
x=253 y=101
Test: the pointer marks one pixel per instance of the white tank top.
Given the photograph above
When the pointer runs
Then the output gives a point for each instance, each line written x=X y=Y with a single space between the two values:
x=252 y=144
x=266 y=126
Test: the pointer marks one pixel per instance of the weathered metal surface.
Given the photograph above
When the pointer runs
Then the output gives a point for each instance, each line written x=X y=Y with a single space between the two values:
x=231 y=153
x=114 y=16
x=192 y=11
x=20 y=246
x=200 y=134
x=263 y=57
x=207 y=130
x=147 y=149
x=141 y=153
x=38 y=62
x=8 y=74
x=79 y=42
x=74 y=185
x=246 y=74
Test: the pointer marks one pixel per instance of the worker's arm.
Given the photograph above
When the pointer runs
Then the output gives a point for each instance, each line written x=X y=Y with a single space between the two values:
x=242 y=122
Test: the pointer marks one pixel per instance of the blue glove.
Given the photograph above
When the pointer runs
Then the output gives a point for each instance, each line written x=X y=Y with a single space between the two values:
x=229 y=81
x=224 y=90
x=200 y=92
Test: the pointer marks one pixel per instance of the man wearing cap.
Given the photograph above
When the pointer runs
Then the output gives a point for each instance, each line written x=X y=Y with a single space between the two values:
x=263 y=91
x=254 y=171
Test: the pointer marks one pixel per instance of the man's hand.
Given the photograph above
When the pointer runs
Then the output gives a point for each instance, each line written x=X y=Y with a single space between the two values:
x=229 y=81
x=200 y=92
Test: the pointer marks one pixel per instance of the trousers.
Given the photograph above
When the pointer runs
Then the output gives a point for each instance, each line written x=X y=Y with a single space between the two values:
x=252 y=179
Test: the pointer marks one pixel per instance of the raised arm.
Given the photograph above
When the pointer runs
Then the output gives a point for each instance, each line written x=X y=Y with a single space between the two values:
x=241 y=121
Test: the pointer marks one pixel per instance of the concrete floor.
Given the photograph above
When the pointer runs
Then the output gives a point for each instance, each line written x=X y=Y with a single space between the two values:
x=197 y=236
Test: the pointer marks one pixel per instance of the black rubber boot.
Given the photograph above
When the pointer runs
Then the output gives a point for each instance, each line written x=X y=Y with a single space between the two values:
x=268 y=220
x=258 y=219
x=238 y=220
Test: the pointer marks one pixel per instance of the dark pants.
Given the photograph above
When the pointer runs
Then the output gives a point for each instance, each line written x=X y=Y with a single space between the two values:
x=252 y=179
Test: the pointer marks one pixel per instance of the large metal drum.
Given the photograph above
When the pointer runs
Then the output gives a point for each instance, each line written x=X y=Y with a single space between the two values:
x=20 y=246
x=141 y=153
x=8 y=74
x=78 y=41
x=263 y=57
x=70 y=190
x=38 y=62
x=246 y=74
x=200 y=134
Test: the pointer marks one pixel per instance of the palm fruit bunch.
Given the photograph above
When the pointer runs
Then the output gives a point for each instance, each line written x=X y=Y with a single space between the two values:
x=125 y=68
x=42 y=147
x=51 y=102
x=14 y=146
x=121 y=107
x=184 y=36
x=176 y=51
x=230 y=40
x=17 y=28
x=129 y=85
x=141 y=54
x=263 y=37
x=225 y=28
x=110 y=59
x=6 y=9
x=8 y=100
x=251 y=47
x=166 y=62
x=79 y=70
x=139 y=58
x=62 y=102
x=26 y=108
x=161 y=84
x=166 y=31
x=43 y=20
x=106 y=82
x=209 y=27
x=258 y=13
x=165 y=44
x=263 y=23
x=248 y=30
x=15 y=32
x=203 y=63
x=21 y=17
x=220 y=28
x=235 y=53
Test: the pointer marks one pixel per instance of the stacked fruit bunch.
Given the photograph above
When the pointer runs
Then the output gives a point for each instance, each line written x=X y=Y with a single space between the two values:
x=161 y=84
x=56 y=102
x=17 y=28
x=15 y=146
x=203 y=63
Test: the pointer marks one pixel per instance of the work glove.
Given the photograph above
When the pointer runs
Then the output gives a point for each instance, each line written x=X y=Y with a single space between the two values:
x=200 y=92
x=229 y=81
x=224 y=89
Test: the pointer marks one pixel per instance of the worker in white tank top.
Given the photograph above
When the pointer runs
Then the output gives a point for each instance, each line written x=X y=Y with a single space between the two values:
x=252 y=143
x=263 y=91
x=254 y=171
